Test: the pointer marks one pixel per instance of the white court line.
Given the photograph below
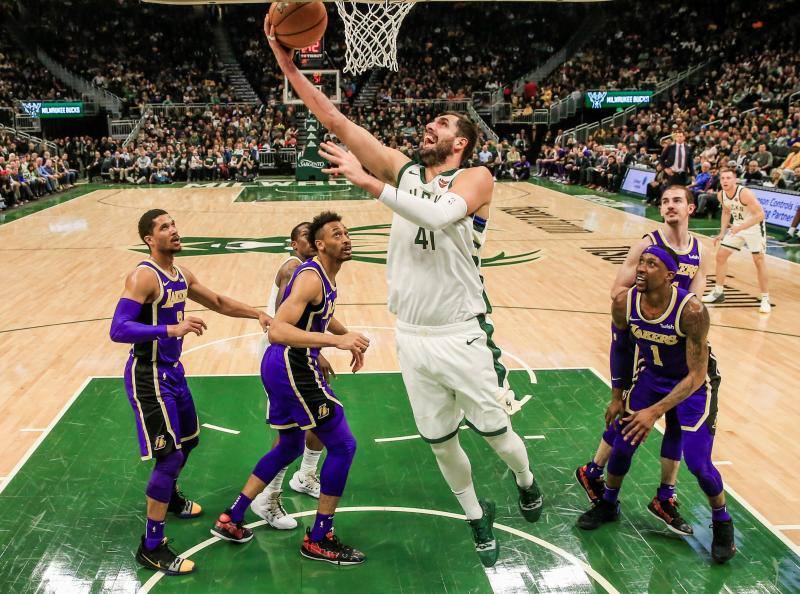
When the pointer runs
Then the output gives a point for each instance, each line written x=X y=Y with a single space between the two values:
x=213 y=342
x=44 y=433
x=585 y=567
x=534 y=437
x=33 y=429
x=742 y=501
x=401 y=438
x=218 y=428
x=722 y=463
x=788 y=526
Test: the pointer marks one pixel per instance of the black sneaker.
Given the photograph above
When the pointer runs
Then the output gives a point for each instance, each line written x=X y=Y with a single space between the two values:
x=486 y=545
x=182 y=507
x=786 y=238
x=162 y=558
x=226 y=529
x=331 y=550
x=667 y=512
x=600 y=513
x=723 y=548
x=594 y=487
x=794 y=239
x=530 y=502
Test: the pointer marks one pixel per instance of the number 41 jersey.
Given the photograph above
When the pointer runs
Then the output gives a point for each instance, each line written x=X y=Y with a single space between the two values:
x=434 y=276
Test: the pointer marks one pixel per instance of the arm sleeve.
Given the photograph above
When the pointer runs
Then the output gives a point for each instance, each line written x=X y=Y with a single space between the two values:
x=621 y=358
x=125 y=328
x=426 y=213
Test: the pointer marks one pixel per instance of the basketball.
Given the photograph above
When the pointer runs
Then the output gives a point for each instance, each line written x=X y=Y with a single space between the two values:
x=298 y=24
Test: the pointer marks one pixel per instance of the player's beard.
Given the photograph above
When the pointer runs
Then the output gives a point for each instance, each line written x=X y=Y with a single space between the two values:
x=436 y=154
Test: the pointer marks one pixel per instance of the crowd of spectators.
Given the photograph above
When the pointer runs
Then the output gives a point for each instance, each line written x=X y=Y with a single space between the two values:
x=638 y=55
x=144 y=53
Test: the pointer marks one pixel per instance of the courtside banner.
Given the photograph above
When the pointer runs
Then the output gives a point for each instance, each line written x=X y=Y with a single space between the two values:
x=613 y=99
x=53 y=109
x=779 y=206
x=636 y=181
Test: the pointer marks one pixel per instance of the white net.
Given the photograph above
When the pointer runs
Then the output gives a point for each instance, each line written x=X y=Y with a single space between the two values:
x=370 y=30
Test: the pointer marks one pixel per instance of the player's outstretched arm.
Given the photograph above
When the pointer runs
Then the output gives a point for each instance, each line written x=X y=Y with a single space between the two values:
x=227 y=306
x=141 y=286
x=626 y=275
x=471 y=190
x=382 y=161
x=694 y=322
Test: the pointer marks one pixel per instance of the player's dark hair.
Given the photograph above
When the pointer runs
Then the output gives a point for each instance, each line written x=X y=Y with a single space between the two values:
x=319 y=221
x=296 y=231
x=687 y=192
x=147 y=220
x=468 y=129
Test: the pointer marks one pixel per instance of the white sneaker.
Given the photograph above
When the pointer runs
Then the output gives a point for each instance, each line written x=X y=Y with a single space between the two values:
x=765 y=306
x=714 y=297
x=307 y=483
x=268 y=506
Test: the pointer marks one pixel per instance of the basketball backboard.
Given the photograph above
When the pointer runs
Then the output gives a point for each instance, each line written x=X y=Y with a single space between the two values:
x=327 y=81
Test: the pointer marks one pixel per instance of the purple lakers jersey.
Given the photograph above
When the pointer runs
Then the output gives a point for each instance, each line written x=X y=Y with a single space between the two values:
x=660 y=343
x=688 y=261
x=166 y=309
x=315 y=318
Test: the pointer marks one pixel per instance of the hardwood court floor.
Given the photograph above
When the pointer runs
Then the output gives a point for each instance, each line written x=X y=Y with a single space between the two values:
x=550 y=259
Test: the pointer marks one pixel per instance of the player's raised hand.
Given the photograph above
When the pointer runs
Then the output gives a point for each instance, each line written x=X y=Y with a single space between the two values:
x=189 y=324
x=283 y=54
x=353 y=341
x=344 y=163
x=638 y=425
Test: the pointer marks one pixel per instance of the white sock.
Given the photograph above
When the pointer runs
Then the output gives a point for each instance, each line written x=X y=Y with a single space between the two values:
x=511 y=449
x=457 y=471
x=277 y=482
x=764 y=296
x=718 y=289
x=792 y=230
x=469 y=503
x=310 y=461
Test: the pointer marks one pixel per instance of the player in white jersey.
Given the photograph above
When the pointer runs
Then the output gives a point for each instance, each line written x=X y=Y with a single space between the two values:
x=267 y=504
x=740 y=207
x=450 y=365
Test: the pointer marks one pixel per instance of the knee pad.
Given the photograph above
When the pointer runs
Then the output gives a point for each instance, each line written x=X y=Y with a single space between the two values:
x=621 y=455
x=672 y=442
x=165 y=473
x=291 y=443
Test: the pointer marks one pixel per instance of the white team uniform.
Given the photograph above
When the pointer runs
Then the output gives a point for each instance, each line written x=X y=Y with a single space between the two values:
x=755 y=237
x=450 y=366
x=272 y=307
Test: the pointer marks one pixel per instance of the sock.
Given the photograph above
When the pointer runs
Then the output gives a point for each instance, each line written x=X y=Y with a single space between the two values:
x=277 y=483
x=665 y=492
x=469 y=503
x=154 y=533
x=310 y=461
x=792 y=230
x=593 y=470
x=610 y=494
x=718 y=289
x=764 y=296
x=720 y=514
x=239 y=506
x=322 y=525
x=524 y=478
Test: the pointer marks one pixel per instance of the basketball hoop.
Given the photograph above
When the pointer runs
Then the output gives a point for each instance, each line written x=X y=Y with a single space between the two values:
x=370 y=30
